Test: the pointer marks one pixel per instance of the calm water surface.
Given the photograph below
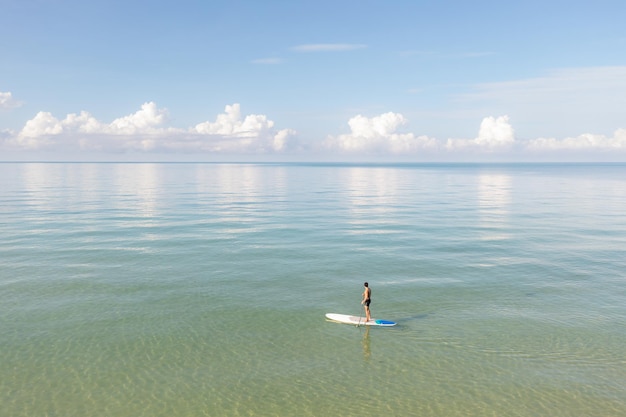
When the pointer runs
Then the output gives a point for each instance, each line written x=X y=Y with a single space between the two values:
x=200 y=290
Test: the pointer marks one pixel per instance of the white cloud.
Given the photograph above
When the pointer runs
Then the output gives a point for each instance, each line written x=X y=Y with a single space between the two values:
x=255 y=133
x=230 y=123
x=79 y=130
x=145 y=130
x=7 y=101
x=328 y=47
x=495 y=134
x=476 y=54
x=583 y=142
x=568 y=82
x=44 y=123
x=268 y=61
x=496 y=139
x=231 y=133
x=146 y=121
x=379 y=134
x=281 y=141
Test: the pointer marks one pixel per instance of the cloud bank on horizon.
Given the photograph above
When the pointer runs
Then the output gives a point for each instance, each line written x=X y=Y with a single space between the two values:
x=146 y=132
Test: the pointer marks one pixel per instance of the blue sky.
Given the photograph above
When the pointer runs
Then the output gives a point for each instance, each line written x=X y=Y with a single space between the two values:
x=313 y=80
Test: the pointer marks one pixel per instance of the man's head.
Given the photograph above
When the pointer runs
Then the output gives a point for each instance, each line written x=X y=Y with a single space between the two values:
x=366 y=284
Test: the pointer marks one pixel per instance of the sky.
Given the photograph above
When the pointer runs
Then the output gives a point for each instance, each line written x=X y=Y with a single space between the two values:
x=328 y=81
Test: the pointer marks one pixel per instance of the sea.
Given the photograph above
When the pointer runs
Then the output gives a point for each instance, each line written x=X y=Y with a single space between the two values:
x=200 y=289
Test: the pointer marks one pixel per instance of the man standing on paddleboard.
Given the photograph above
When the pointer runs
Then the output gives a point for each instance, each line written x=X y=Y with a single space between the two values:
x=367 y=299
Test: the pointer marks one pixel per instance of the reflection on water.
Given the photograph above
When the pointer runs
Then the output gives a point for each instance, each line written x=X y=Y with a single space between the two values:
x=77 y=186
x=241 y=191
x=367 y=349
x=34 y=178
x=372 y=197
x=138 y=185
x=238 y=183
x=494 y=201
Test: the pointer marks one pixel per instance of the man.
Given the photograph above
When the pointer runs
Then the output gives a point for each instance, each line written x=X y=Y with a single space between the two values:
x=367 y=299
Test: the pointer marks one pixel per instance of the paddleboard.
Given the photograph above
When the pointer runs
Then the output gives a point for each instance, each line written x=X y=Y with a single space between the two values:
x=356 y=320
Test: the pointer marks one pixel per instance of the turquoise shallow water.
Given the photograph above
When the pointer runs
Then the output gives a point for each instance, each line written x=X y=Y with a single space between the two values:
x=201 y=289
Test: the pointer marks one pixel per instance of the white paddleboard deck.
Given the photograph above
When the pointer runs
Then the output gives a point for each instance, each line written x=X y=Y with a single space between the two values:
x=356 y=320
